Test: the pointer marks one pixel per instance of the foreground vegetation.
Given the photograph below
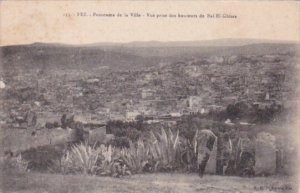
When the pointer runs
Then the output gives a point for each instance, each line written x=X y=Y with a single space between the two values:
x=161 y=152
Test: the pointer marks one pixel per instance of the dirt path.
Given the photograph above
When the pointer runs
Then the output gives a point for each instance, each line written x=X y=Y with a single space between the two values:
x=146 y=183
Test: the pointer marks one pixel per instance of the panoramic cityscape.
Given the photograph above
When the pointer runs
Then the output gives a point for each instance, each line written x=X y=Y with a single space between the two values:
x=146 y=107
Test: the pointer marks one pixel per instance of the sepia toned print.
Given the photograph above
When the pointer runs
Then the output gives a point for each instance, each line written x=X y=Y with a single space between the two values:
x=142 y=96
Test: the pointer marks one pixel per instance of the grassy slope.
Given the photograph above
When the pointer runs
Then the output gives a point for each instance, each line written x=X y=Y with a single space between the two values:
x=36 y=183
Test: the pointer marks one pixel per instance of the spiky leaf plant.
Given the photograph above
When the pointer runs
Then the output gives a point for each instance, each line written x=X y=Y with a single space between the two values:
x=82 y=159
x=164 y=149
x=136 y=156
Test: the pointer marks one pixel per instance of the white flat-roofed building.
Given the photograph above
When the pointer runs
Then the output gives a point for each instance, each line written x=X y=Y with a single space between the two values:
x=131 y=115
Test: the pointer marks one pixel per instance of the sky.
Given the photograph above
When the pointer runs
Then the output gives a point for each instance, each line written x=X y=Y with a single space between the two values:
x=25 y=22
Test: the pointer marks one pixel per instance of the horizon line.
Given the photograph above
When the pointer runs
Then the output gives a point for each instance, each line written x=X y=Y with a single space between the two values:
x=158 y=41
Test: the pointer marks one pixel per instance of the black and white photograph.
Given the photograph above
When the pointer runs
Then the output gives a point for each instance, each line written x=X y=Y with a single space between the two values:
x=144 y=97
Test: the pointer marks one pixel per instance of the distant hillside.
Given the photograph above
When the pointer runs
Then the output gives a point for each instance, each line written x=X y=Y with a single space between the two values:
x=183 y=52
x=62 y=56
x=203 y=43
x=130 y=55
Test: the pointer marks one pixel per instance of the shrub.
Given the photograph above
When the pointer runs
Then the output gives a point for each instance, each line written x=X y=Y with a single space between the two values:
x=44 y=158
x=14 y=164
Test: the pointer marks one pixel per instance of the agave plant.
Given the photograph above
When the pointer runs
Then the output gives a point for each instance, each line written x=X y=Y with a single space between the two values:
x=136 y=156
x=107 y=152
x=82 y=158
x=188 y=154
x=163 y=148
x=103 y=160
x=161 y=151
x=108 y=155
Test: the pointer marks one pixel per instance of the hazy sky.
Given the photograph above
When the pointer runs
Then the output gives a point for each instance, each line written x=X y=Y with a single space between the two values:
x=25 y=22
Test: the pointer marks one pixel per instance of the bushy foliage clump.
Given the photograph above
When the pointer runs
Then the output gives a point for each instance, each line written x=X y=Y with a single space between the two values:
x=159 y=153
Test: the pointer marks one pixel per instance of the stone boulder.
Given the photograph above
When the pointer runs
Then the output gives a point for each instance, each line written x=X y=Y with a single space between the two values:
x=265 y=154
x=207 y=144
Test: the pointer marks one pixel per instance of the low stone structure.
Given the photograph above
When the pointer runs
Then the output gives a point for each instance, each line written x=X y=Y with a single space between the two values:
x=16 y=140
